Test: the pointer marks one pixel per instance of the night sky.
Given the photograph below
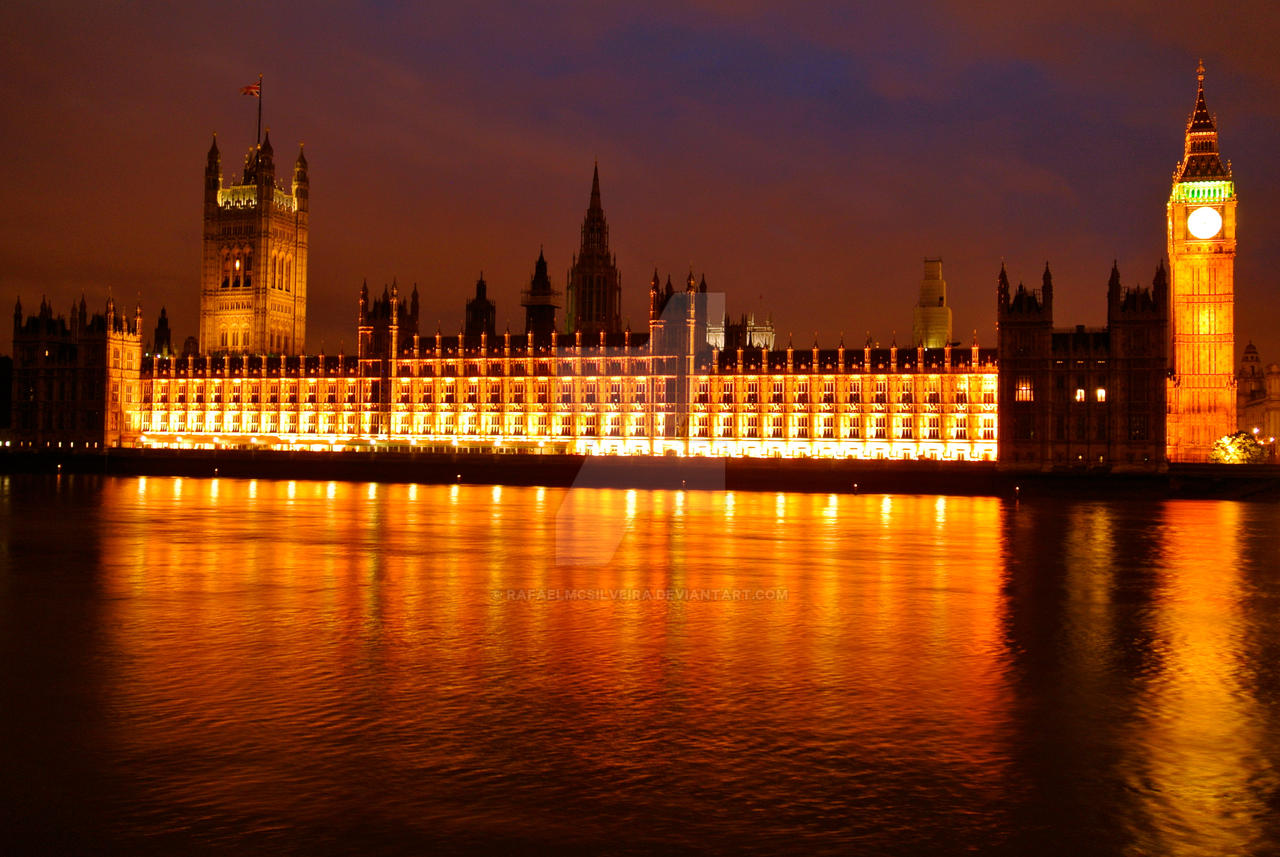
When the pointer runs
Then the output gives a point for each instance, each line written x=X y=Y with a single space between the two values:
x=805 y=159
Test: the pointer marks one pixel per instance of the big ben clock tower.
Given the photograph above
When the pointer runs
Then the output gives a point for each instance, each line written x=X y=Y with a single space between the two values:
x=1202 y=251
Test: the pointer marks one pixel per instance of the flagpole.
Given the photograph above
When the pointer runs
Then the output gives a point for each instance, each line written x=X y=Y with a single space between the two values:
x=258 y=140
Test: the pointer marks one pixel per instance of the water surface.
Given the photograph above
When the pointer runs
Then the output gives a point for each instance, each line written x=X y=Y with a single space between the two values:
x=312 y=668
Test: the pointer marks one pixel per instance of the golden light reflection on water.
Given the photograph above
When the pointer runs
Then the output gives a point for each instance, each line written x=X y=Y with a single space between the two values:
x=230 y=587
x=838 y=661
x=1204 y=726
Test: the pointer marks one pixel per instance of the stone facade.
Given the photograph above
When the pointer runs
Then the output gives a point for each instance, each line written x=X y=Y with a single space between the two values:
x=623 y=394
x=253 y=276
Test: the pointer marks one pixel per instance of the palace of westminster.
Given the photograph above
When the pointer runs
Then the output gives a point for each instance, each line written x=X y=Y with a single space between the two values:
x=1158 y=383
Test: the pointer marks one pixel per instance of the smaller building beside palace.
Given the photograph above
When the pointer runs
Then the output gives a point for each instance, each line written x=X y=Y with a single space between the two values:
x=1083 y=396
x=1258 y=396
x=76 y=378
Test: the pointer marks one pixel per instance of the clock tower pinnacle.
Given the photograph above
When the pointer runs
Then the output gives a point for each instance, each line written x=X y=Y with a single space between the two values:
x=1201 y=230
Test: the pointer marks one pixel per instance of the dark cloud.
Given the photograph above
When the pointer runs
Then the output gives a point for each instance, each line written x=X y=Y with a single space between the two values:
x=805 y=157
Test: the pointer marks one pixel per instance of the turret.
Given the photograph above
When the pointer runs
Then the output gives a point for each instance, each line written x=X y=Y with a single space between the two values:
x=213 y=174
x=1046 y=290
x=481 y=314
x=540 y=303
x=301 y=183
x=1160 y=285
x=655 y=297
x=393 y=324
x=266 y=155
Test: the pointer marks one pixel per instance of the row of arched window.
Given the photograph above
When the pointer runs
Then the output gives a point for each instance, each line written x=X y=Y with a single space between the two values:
x=234 y=337
x=237 y=270
x=238 y=337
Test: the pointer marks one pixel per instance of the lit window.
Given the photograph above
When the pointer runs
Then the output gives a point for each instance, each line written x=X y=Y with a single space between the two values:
x=1025 y=392
x=1079 y=394
x=1102 y=394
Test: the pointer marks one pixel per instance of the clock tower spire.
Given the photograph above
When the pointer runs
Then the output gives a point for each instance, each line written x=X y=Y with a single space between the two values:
x=1201 y=232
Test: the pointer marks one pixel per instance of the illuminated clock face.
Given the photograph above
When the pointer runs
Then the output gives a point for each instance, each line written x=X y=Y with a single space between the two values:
x=1204 y=222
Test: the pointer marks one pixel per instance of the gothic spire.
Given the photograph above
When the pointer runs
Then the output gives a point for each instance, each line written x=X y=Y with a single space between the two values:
x=595 y=188
x=1201 y=161
x=1201 y=119
x=1114 y=289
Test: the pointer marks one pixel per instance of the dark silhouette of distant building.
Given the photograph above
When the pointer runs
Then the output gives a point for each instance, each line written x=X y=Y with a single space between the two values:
x=386 y=327
x=162 y=340
x=481 y=313
x=6 y=392
x=594 y=294
x=540 y=303
x=1083 y=397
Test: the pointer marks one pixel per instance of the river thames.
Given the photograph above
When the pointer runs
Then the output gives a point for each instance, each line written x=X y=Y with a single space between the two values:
x=199 y=665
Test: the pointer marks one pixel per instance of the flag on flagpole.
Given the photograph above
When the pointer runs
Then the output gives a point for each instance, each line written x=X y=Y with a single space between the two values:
x=254 y=89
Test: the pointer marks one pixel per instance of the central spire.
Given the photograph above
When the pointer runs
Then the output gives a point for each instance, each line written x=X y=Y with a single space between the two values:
x=595 y=229
x=594 y=294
